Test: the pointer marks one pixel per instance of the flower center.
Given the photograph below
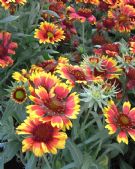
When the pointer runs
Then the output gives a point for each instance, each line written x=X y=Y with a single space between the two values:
x=124 y=120
x=122 y=18
x=50 y=35
x=43 y=133
x=55 y=106
x=77 y=74
x=19 y=95
x=84 y=12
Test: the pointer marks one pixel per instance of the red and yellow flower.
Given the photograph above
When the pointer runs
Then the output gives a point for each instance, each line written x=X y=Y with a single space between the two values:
x=53 y=101
x=73 y=74
x=124 y=18
x=7 y=47
x=122 y=122
x=19 y=94
x=49 y=33
x=81 y=15
x=110 y=49
x=10 y=3
x=94 y=2
x=51 y=65
x=103 y=68
x=113 y=3
x=24 y=75
x=41 y=137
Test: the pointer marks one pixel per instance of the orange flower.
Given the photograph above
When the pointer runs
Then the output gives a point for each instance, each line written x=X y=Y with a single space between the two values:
x=41 y=137
x=124 y=18
x=121 y=121
x=7 y=47
x=49 y=33
x=53 y=101
x=9 y=3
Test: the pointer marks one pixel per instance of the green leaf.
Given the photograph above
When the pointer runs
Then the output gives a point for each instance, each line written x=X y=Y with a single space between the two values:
x=69 y=166
x=1 y=163
x=11 y=149
x=75 y=152
x=104 y=162
x=9 y=19
x=31 y=162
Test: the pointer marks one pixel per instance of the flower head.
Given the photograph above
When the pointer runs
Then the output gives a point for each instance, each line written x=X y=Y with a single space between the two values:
x=41 y=137
x=103 y=67
x=74 y=74
x=7 y=47
x=8 y=4
x=81 y=15
x=97 y=94
x=124 y=17
x=94 y=2
x=53 y=100
x=19 y=94
x=121 y=121
x=51 y=65
x=49 y=33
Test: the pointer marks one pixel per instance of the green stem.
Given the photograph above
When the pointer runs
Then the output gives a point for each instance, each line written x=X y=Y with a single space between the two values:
x=98 y=120
x=47 y=162
x=83 y=36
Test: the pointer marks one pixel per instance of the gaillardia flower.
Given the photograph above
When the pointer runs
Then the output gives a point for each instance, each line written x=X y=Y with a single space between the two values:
x=122 y=121
x=53 y=100
x=102 y=68
x=124 y=18
x=49 y=33
x=41 y=137
x=94 y=2
x=9 y=3
x=19 y=94
x=7 y=47
x=81 y=15
x=73 y=74
x=21 y=76
x=51 y=65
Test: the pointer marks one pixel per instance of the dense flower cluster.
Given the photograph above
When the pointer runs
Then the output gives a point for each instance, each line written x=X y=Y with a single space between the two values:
x=81 y=58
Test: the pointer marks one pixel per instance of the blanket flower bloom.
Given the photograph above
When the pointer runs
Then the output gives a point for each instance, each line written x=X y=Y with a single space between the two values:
x=81 y=15
x=123 y=17
x=53 y=101
x=49 y=33
x=73 y=74
x=103 y=68
x=41 y=137
x=122 y=121
x=19 y=94
x=51 y=65
x=7 y=47
x=10 y=3
x=94 y=2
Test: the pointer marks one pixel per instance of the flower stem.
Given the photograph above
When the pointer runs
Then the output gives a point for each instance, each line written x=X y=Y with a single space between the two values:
x=47 y=162
x=83 y=36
